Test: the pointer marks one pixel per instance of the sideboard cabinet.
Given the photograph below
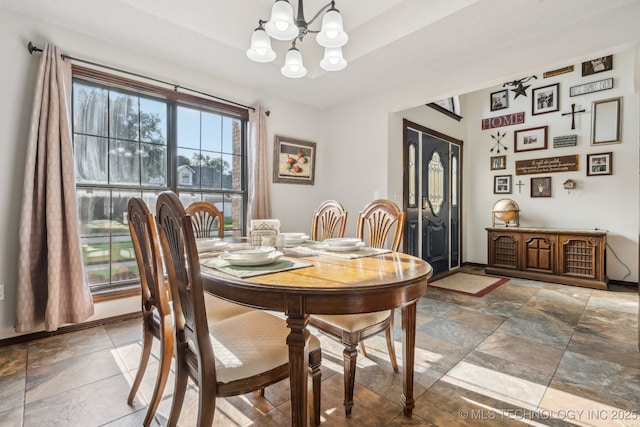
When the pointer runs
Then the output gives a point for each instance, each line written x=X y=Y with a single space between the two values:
x=571 y=257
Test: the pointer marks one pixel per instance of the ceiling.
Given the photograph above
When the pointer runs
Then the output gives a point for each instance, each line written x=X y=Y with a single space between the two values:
x=455 y=44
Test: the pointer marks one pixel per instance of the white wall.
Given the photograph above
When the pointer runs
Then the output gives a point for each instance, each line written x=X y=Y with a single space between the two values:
x=18 y=74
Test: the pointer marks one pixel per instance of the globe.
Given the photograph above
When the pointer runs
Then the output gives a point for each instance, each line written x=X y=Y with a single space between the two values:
x=506 y=210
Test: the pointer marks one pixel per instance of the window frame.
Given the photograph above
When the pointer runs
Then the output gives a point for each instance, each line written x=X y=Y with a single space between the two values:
x=173 y=99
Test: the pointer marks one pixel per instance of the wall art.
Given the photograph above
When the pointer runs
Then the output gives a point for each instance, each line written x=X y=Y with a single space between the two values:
x=605 y=84
x=502 y=184
x=567 y=69
x=597 y=65
x=500 y=121
x=294 y=161
x=605 y=121
x=599 y=164
x=498 y=162
x=530 y=139
x=545 y=99
x=499 y=100
x=541 y=186
x=547 y=165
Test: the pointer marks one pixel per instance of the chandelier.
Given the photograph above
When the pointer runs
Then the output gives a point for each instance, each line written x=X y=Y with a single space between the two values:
x=282 y=26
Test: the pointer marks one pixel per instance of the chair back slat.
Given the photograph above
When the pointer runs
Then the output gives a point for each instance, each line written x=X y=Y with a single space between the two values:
x=380 y=217
x=183 y=268
x=148 y=257
x=329 y=220
x=207 y=220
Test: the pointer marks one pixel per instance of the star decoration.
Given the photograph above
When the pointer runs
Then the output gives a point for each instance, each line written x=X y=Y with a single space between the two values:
x=520 y=88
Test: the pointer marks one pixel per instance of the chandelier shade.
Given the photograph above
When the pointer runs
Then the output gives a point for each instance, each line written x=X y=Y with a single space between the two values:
x=282 y=26
x=333 y=60
x=293 y=66
x=260 y=50
x=332 y=34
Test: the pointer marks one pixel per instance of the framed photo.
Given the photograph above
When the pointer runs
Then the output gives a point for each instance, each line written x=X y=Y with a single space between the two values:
x=530 y=139
x=597 y=65
x=541 y=186
x=499 y=100
x=502 y=184
x=294 y=161
x=599 y=164
x=498 y=162
x=545 y=99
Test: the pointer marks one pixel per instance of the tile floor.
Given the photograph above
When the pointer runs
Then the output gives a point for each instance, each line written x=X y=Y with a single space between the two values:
x=528 y=352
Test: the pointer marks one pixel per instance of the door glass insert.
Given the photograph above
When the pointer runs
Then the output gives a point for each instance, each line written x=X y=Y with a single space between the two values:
x=436 y=182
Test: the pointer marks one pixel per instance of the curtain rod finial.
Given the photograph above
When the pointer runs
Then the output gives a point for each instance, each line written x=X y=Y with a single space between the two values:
x=33 y=48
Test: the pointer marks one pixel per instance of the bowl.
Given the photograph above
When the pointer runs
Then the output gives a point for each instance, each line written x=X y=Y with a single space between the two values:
x=342 y=241
x=253 y=253
x=210 y=244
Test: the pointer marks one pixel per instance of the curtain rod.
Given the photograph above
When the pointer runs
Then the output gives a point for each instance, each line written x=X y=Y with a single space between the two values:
x=32 y=48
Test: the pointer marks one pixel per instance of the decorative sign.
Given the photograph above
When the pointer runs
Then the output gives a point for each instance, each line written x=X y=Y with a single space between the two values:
x=547 y=165
x=565 y=141
x=591 y=87
x=558 y=71
x=506 y=120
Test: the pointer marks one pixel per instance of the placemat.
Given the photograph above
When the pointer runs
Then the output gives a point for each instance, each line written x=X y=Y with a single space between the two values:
x=359 y=253
x=282 y=264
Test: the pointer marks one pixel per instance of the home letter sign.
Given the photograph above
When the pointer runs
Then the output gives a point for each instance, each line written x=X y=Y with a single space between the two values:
x=506 y=120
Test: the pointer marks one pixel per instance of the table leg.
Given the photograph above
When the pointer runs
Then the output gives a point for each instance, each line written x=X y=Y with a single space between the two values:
x=408 y=357
x=298 y=340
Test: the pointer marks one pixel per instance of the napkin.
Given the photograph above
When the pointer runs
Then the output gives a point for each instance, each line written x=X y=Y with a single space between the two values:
x=263 y=227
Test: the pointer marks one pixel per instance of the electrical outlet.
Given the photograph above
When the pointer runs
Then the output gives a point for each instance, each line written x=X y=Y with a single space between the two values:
x=2 y=292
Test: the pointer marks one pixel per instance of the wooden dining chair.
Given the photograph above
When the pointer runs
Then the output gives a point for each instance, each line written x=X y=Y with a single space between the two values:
x=234 y=356
x=207 y=219
x=329 y=220
x=379 y=221
x=157 y=319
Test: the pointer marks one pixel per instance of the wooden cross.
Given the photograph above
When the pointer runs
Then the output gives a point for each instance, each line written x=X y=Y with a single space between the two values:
x=573 y=115
x=520 y=184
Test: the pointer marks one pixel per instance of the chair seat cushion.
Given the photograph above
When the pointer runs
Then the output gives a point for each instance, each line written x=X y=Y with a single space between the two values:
x=250 y=343
x=354 y=322
x=219 y=309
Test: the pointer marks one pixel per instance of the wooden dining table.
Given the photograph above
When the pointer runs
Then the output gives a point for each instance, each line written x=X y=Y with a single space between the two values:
x=331 y=285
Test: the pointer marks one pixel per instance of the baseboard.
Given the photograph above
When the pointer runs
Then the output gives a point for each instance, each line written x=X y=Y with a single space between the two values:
x=66 y=329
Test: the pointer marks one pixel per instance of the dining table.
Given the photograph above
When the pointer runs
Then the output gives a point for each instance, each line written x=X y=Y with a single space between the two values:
x=321 y=282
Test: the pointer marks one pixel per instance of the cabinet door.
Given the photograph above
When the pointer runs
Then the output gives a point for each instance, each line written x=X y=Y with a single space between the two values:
x=539 y=252
x=581 y=256
x=504 y=250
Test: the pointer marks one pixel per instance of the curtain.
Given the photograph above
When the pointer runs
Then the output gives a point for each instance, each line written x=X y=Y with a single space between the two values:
x=259 y=204
x=52 y=282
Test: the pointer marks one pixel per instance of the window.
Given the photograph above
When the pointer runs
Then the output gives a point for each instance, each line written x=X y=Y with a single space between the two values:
x=135 y=140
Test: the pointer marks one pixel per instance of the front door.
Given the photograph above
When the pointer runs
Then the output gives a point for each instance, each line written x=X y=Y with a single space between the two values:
x=432 y=202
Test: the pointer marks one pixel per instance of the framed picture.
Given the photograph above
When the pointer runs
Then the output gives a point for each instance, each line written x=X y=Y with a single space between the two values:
x=599 y=164
x=545 y=99
x=499 y=100
x=294 y=161
x=597 y=65
x=498 y=162
x=502 y=184
x=541 y=186
x=606 y=125
x=530 y=139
